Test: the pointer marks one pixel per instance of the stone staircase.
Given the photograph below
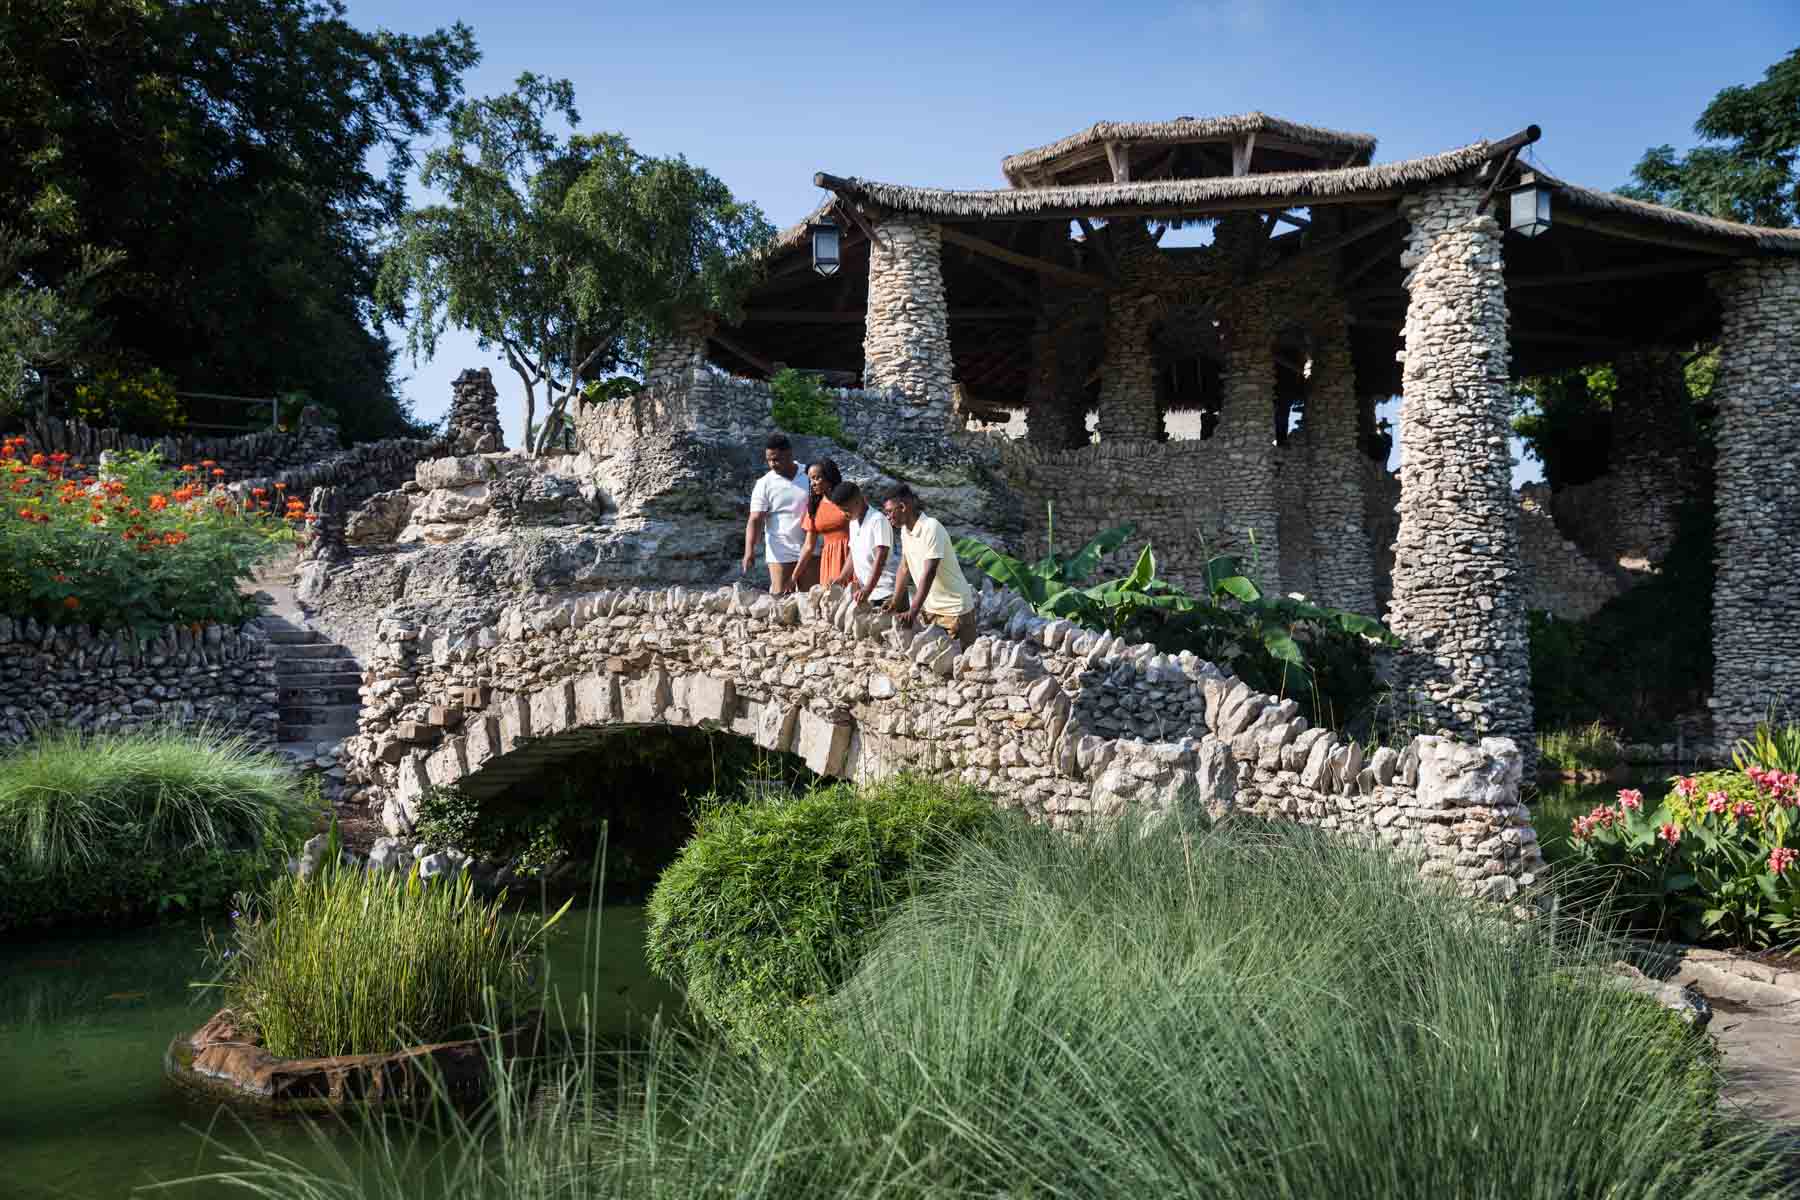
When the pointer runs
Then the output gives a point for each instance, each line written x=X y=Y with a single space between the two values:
x=317 y=684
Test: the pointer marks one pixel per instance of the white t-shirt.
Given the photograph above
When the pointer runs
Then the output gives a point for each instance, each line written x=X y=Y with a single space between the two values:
x=784 y=500
x=871 y=533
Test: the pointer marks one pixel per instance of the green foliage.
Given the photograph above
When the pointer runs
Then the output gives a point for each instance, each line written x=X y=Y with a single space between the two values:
x=569 y=254
x=116 y=826
x=1276 y=643
x=1772 y=748
x=1746 y=170
x=1236 y=1013
x=243 y=204
x=771 y=903
x=140 y=550
x=1565 y=421
x=143 y=402
x=354 y=961
x=1584 y=748
x=1714 y=861
x=45 y=326
x=802 y=406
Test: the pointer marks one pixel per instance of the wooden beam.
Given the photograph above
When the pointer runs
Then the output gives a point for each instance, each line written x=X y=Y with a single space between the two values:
x=1041 y=265
x=1118 y=157
x=1385 y=255
x=1578 y=319
x=981 y=267
x=1698 y=243
x=1333 y=244
x=750 y=356
x=1670 y=266
x=808 y=317
x=1242 y=151
x=1099 y=246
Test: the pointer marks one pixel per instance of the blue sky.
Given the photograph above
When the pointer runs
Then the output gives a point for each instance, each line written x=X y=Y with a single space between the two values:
x=764 y=95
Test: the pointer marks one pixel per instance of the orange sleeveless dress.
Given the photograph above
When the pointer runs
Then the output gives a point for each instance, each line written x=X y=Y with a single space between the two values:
x=833 y=544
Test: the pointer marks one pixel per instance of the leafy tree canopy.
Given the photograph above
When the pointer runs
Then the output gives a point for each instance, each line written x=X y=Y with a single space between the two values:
x=240 y=158
x=1746 y=170
x=570 y=254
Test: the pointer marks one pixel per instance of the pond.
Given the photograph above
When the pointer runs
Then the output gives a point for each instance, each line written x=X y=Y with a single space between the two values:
x=84 y=1021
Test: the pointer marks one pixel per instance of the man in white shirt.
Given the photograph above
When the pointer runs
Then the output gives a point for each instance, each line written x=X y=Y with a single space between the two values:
x=778 y=506
x=870 y=567
x=927 y=558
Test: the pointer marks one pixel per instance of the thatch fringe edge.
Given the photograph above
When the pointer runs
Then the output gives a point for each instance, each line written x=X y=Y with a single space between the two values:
x=1187 y=127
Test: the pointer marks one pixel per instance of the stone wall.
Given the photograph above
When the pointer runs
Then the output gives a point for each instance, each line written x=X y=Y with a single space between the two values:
x=1558 y=577
x=906 y=334
x=1064 y=724
x=1457 y=590
x=76 y=677
x=1756 y=601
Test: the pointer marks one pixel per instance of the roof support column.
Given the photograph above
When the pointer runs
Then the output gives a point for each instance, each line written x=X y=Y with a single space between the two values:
x=1128 y=372
x=674 y=359
x=1652 y=452
x=1343 y=564
x=1457 y=601
x=1054 y=416
x=1756 y=598
x=906 y=332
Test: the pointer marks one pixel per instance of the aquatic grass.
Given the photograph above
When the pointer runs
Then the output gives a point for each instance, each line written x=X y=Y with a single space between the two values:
x=1247 y=1011
x=355 y=961
x=66 y=797
x=1591 y=747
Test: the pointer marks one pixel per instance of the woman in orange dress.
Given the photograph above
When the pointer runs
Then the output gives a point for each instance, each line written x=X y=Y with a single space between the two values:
x=827 y=526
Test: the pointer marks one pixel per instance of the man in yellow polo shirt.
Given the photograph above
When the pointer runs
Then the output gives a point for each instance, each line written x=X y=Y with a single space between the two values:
x=939 y=591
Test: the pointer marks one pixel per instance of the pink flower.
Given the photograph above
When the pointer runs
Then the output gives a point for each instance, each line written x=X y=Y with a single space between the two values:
x=1743 y=810
x=1687 y=785
x=1631 y=798
x=1781 y=858
x=1579 y=829
x=1717 y=802
x=1669 y=833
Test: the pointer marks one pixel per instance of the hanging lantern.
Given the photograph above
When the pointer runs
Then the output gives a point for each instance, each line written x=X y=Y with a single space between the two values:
x=1530 y=211
x=825 y=248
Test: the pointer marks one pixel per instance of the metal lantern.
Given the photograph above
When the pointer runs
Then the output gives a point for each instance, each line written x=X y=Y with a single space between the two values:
x=1530 y=211
x=825 y=248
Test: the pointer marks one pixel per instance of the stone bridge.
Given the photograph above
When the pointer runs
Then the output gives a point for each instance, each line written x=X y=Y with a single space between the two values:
x=1066 y=724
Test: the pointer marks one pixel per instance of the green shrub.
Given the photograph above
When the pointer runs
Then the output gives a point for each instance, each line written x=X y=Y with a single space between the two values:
x=771 y=903
x=802 y=406
x=105 y=827
x=354 y=961
x=1587 y=748
x=1772 y=748
x=1247 y=1012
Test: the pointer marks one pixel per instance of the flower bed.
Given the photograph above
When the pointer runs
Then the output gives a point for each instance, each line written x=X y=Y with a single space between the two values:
x=1716 y=859
x=141 y=547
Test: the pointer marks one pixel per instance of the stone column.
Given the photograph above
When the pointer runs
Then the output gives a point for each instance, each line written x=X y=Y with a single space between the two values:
x=1756 y=598
x=1343 y=564
x=474 y=426
x=1248 y=471
x=906 y=333
x=674 y=359
x=1054 y=416
x=1128 y=370
x=1458 y=602
x=1652 y=452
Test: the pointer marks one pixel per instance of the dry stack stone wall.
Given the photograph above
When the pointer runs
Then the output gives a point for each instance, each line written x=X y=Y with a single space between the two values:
x=76 y=677
x=1065 y=724
x=1756 y=601
x=1457 y=587
x=906 y=338
x=474 y=425
x=1128 y=410
x=1344 y=565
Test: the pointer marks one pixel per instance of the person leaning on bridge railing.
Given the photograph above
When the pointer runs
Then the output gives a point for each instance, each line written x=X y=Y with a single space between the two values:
x=941 y=593
x=869 y=568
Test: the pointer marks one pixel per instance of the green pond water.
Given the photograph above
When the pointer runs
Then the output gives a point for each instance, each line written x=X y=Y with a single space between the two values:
x=84 y=1021
x=1556 y=805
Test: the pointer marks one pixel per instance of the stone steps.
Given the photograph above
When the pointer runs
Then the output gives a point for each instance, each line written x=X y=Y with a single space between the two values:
x=318 y=685
x=310 y=669
x=311 y=696
x=320 y=714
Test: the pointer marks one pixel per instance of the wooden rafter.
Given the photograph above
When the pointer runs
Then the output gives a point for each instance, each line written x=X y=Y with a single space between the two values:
x=750 y=356
x=1333 y=244
x=1099 y=246
x=1242 y=151
x=1637 y=233
x=981 y=267
x=1118 y=157
x=1669 y=266
x=1043 y=266
x=813 y=317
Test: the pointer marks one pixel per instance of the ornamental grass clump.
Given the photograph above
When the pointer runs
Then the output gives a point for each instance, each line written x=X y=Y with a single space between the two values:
x=141 y=548
x=1234 y=1013
x=355 y=961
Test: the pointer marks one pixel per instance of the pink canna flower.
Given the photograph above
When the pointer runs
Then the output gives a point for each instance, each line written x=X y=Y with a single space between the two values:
x=1717 y=802
x=1781 y=858
x=1631 y=798
x=1670 y=832
x=1744 y=810
x=1687 y=785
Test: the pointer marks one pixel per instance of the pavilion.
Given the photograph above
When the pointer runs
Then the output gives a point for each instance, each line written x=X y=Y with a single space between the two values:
x=1330 y=281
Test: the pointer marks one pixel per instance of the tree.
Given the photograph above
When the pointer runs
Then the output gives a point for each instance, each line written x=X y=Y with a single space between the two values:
x=43 y=328
x=569 y=254
x=1747 y=172
x=224 y=149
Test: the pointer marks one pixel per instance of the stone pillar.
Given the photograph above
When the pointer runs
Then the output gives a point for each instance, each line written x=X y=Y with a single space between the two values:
x=1756 y=598
x=474 y=426
x=1128 y=370
x=1248 y=470
x=1054 y=416
x=1343 y=564
x=674 y=359
x=1458 y=601
x=1652 y=452
x=906 y=333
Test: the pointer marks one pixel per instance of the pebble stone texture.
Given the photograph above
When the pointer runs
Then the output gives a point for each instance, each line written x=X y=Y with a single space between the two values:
x=1333 y=473
x=1756 y=600
x=1065 y=724
x=1559 y=576
x=474 y=424
x=1251 y=476
x=1651 y=453
x=1056 y=409
x=1128 y=410
x=76 y=677
x=906 y=330
x=1458 y=599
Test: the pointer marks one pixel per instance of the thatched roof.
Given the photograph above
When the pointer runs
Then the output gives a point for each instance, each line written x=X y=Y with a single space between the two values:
x=1774 y=241
x=1270 y=190
x=1188 y=129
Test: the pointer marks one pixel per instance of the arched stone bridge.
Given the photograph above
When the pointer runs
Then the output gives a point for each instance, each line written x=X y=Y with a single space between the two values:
x=1064 y=723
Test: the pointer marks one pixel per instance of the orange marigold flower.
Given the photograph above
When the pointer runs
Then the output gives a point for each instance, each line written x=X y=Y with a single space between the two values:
x=59 y=458
x=174 y=537
x=38 y=460
x=312 y=516
x=189 y=467
x=281 y=487
x=259 y=493
x=71 y=603
x=218 y=471
x=158 y=502
x=207 y=462
x=96 y=519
